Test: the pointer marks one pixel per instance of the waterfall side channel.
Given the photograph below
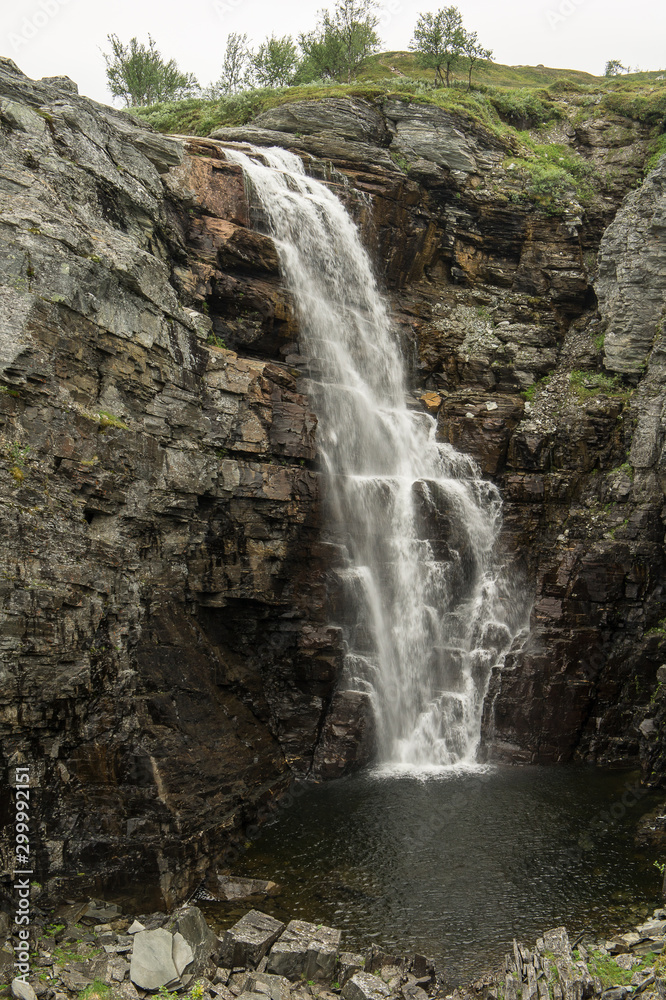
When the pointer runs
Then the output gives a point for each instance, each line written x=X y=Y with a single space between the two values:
x=428 y=615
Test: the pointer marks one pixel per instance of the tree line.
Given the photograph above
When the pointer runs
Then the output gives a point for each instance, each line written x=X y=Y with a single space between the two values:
x=335 y=49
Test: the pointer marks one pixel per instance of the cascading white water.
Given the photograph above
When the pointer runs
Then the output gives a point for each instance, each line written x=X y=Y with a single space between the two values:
x=426 y=621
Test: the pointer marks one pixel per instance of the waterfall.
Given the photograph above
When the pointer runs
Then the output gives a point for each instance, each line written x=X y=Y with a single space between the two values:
x=425 y=620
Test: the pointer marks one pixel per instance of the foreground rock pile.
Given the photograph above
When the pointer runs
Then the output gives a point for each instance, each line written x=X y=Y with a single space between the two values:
x=99 y=954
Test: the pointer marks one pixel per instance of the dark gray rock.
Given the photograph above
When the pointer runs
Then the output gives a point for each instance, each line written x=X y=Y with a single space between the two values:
x=275 y=987
x=305 y=949
x=246 y=943
x=427 y=132
x=631 y=282
x=189 y=925
x=344 y=118
x=349 y=963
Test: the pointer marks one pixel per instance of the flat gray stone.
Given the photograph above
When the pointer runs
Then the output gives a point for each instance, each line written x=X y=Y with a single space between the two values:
x=22 y=991
x=363 y=986
x=246 y=943
x=152 y=962
x=182 y=953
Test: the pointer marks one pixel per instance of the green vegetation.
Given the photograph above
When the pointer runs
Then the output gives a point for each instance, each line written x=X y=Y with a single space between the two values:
x=275 y=62
x=614 y=68
x=626 y=468
x=657 y=150
x=138 y=74
x=215 y=341
x=531 y=391
x=53 y=929
x=586 y=384
x=106 y=419
x=341 y=42
x=96 y=991
x=658 y=629
x=610 y=973
x=338 y=58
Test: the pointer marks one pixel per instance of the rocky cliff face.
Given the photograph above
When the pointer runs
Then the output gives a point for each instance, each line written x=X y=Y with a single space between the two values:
x=166 y=660
x=517 y=333
x=166 y=587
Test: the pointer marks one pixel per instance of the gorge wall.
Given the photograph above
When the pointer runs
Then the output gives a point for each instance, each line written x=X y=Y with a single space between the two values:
x=167 y=589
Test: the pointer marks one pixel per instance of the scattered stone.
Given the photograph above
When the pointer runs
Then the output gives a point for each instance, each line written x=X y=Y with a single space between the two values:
x=652 y=928
x=182 y=953
x=275 y=987
x=248 y=941
x=135 y=927
x=627 y=961
x=98 y=912
x=74 y=981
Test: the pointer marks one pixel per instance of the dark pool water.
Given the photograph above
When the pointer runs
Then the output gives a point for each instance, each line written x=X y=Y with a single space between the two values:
x=454 y=866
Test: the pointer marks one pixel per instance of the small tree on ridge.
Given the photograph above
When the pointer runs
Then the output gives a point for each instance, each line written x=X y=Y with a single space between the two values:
x=275 y=62
x=139 y=75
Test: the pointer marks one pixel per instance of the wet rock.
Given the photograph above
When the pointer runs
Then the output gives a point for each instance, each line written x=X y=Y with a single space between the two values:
x=234 y=887
x=250 y=939
x=347 y=740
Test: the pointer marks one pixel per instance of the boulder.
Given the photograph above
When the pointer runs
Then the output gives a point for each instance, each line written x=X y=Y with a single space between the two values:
x=348 y=964
x=354 y=120
x=22 y=991
x=192 y=935
x=308 y=950
x=153 y=964
x=246 y=943
x=364 y=986
x=275 y=987
x=233 y=887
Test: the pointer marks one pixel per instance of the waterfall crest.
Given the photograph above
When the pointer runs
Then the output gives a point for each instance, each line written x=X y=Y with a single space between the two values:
x=426 y=616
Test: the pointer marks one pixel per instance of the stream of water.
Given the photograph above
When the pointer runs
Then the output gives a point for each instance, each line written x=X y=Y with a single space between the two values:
x=428 y=614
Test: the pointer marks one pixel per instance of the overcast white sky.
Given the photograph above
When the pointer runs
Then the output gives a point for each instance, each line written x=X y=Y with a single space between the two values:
x=65 y=37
